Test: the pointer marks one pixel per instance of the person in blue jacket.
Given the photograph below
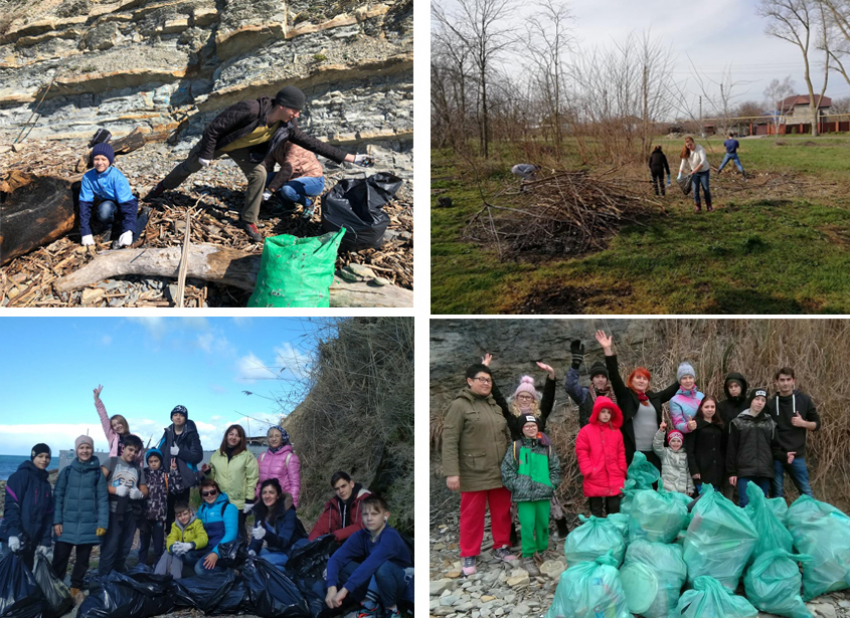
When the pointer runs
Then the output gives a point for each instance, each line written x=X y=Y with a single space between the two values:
x=731 y=145
x=81 y=514
x=27 y=523
x=108 y=189
x=220 y=519
x=276 y=523
x=376 y=562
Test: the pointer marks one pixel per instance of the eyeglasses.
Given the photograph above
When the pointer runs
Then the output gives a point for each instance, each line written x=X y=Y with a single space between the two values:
x=525 y=397
x=211 y=492
x=483 y=380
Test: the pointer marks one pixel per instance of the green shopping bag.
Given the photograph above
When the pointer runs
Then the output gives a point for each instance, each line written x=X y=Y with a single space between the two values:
x=296 y=272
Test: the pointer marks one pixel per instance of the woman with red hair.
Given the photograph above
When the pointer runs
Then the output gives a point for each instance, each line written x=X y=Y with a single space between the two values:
x=641 y=407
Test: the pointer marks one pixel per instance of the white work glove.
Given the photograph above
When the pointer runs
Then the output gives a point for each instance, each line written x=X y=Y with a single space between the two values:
x=14 y=543
x=121 y=491
x=679 y=177
x=258 y=533
x=45 y=552
x=205 y=162
x=136 y=494
x=252 y=553
x=178 y=549
x=248 y=507
x=126 y=239
x=174 y=450
x=364 y=160
x=267 y=195
x=88 y=240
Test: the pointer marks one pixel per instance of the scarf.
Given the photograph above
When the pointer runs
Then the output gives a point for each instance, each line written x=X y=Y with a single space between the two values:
x=642 y=397
x=276 y=448
x=608 y=392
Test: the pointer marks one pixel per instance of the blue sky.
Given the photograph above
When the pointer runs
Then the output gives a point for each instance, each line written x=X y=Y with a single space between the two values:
x=147 y=365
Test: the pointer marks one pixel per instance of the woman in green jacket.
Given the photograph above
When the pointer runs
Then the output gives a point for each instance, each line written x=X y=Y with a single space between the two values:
x=235 y=470
x=475 y=438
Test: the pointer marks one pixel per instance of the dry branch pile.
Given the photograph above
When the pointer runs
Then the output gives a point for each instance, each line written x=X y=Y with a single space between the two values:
x=213 y=198
x=566 y=213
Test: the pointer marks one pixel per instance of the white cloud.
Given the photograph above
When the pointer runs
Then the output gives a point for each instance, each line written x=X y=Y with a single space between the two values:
x=296 y=362
x=205 y=341
x=155 y=325
x=250 y=369
x=158 y=326
x=106 y=340
x=216 y=418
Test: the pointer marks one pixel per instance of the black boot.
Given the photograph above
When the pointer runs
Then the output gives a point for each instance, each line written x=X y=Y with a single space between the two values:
x=563 y=531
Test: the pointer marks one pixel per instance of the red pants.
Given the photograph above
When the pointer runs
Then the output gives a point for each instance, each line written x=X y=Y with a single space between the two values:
x=473 y=505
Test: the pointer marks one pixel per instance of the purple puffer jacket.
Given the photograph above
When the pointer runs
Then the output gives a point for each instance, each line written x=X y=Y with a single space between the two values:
x=275 y=466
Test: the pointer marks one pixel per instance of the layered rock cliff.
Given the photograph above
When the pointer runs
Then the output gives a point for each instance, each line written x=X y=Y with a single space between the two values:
x=171 y=65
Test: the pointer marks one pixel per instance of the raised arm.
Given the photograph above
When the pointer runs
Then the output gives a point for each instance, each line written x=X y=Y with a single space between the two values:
x=668 y=393
x=104 y=417
x=547 y=402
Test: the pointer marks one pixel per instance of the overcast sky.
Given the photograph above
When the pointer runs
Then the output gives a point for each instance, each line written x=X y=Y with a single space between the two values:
x=49 y=367
x=715 y=35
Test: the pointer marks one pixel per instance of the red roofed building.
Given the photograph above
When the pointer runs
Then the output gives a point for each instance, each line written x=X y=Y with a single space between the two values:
x=796 y=109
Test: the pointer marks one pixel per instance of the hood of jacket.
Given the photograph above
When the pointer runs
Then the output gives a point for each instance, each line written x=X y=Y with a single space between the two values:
x=616 y=414
x=356 y=493
x=85 y=466
x=761 y=416
x=192 y=518
x=744 y=386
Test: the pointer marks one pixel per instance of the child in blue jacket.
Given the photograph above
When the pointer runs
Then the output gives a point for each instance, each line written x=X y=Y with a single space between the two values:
x=375 y=561
x=28 y=511
x=108 y=189
x=220 y=519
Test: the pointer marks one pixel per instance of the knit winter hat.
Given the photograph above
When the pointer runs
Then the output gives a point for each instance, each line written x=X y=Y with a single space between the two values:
x=153 y=452
x=598 y=368
x=180 y=410
x=290 y=96
x=685 y=369
x=105 y=150
x=83 y=440
x=38 y=449
x=675 y=435
x=758 y=392
x=526 y=385
x=530 y=418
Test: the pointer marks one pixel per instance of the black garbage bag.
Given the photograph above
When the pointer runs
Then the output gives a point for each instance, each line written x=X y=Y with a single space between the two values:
x=119 y=595
x=314 y=590
x=232 y=555
x=57 y=597
x=237 y=601
x=357 y=205
x=272 y=593
x=311 y=560
x=685 y=184
x=205 y=592
x=20 y=596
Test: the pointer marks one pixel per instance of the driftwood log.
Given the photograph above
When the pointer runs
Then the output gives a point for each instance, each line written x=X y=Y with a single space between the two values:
x=219 y=265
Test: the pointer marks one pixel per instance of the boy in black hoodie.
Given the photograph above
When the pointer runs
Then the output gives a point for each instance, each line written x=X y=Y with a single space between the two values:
x=182 y=443
x=736 y=402
x=795 y=415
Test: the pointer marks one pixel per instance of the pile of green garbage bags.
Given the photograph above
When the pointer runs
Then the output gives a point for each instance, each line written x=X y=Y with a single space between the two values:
x=637 y=564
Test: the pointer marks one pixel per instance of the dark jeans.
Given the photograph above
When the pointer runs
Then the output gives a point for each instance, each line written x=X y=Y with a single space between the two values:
x=358 y=594
x=104 y=216
x=799 y=474
x=117 y=543
x=701 y=178
x=658 y=181
x=155 y=530
x=61 y=555
x=242 y=534
x=392 y=585
x=612 y=505
x=195 y=558
x=743 y=500
x=173 y=499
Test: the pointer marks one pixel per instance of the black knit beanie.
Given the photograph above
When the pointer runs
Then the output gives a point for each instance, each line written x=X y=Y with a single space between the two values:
x=180 y=410
x=38 y=449
x=292 y=97
x=598 y=368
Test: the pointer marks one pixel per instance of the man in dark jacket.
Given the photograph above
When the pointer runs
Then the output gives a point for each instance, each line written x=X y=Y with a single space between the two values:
x=658 y=166
x=181 y=442
x=342 y=514
x=585 y=396
x=246 y=132
x=736 y=401
x=795 y=416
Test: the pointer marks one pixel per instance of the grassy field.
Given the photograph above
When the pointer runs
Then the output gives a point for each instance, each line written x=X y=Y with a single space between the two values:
x=777 y=244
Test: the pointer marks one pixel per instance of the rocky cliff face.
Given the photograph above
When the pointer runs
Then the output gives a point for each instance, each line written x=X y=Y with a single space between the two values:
x=172 y=65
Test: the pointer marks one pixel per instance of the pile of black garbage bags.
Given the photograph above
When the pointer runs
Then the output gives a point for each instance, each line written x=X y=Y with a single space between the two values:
x=247 y=586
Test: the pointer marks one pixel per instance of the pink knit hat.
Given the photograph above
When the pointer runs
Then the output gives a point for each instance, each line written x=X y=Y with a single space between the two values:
x=83 y=440
x=526 y=385
x=675 y=435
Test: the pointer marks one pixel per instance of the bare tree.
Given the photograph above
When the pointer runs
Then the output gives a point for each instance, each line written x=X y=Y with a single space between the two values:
x=838 y=18
x=803 y=23
x=450 y=85
x=840 y=106
x=721 y=99
x=484 y=27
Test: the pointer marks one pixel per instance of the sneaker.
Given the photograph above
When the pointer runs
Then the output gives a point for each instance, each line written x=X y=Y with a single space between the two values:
x=252 y=231
x=469 y=567
x=368 y=609
x=504 y=554
x=529 y=565
x=392 y=613
x=158 y=190
x=309 y=209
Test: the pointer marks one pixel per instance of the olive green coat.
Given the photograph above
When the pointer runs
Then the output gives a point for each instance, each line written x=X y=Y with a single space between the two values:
x=475 y=439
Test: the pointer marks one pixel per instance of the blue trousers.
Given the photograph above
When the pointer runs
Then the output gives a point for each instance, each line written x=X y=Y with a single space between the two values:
x=390 y=584
x=731 y=157
x=743 y=500
x=195 y=558
x=799 y=474
x=104 y=214
x=300 y=189
x=117 y=543
x=700 y=178
x=279 y=558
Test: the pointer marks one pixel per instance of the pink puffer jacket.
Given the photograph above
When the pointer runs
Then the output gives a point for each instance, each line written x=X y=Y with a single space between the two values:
x=288 y=474
x=111 y=436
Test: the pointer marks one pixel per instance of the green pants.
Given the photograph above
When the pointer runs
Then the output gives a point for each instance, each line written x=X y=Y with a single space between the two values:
x=534 y=519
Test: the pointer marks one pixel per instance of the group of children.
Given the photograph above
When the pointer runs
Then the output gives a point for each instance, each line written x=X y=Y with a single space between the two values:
x=104 y=503
x=750 y=437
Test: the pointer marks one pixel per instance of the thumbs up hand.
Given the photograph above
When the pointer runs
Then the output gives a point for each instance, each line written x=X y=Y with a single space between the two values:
x=797 y=420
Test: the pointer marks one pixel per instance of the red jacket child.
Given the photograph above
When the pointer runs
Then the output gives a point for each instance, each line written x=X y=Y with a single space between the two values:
x=601 y=452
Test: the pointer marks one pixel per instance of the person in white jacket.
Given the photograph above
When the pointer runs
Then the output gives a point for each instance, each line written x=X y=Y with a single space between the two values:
x=694 y=155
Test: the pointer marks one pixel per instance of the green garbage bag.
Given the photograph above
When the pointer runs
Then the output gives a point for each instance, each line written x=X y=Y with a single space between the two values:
x=773 y=584
x=296 y=272
x=595 y=537
x=640 y=586
x=779 y=508
x=771 y=533
x=823 y=532
x=656 y=516
x=621 y=520
x=590 y=590
x=711 y=599
x=628 y=495
x=642 y=472
x=670 y=571
x=719 y=540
